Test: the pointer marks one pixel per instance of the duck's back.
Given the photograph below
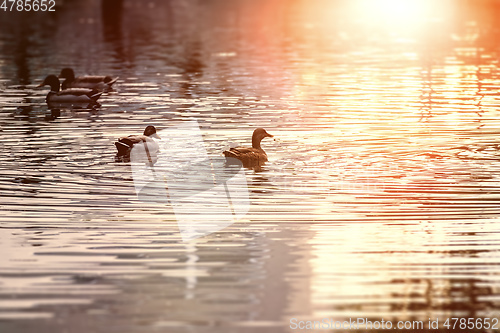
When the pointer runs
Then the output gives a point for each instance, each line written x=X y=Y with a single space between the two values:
x=125 y=144
x=93 y=82
x=76 y=92
x=94 y=79
x=133 y=139
x=246 y=154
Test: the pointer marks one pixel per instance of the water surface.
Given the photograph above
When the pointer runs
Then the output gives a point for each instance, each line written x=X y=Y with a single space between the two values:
x=380 y=199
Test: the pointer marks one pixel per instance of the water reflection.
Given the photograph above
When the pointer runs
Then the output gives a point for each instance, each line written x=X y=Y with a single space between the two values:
x=21 y=54
x=112 y=13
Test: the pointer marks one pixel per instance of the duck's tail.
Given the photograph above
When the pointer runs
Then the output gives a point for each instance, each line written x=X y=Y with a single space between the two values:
x=109 y=81
x=94 y=95
x=230 y=153
x=123 y=147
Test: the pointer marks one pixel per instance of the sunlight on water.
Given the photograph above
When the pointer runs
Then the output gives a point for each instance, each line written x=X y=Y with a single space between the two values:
x=398 y=15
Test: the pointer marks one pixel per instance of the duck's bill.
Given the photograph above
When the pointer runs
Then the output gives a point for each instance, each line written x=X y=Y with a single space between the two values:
x=40 y=85
x=270 y=136
x=156 y=136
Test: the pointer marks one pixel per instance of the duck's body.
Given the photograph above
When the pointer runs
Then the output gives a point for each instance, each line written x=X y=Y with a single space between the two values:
x=74 y=95
x=246 y=154
x=124 y=145
x=98 y=82
x=255 y=154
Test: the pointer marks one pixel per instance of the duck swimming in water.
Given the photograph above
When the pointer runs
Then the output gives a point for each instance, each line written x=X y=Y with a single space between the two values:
x=251 y=156
x=74 y=95
x=124 y=145
x=99 y=82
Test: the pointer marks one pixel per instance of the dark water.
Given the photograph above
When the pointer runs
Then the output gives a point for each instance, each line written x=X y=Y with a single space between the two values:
x=380 y=199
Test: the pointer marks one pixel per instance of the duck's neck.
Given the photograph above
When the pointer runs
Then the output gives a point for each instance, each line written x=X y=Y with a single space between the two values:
x=256 y=142
x=50 y=94
x=55 y=87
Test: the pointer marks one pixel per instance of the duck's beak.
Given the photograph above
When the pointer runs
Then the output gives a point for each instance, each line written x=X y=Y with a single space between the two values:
x=269 y=135
x=40 y=85
x=156 y=136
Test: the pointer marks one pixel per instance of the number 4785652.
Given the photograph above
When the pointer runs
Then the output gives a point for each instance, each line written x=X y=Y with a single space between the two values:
x=28 y=5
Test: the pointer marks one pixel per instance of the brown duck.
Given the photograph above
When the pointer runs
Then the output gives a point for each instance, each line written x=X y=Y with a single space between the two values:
x=99 y=82
x=251 y=156
x=74 y=95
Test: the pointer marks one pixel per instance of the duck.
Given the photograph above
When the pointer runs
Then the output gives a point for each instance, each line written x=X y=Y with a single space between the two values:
x=99 y=82
x=74 y=95
x=125 y=144
x=250 y=156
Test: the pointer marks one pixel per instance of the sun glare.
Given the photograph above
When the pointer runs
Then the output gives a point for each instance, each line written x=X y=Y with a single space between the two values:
x=393 y=11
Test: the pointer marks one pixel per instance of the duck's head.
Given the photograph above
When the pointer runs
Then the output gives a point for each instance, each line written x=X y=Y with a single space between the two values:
x=258 y=135
x=51 y=81
x=151 y=132
x=67 y=73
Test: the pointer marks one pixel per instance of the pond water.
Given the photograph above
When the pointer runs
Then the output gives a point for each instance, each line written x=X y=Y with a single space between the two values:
x=380 y=199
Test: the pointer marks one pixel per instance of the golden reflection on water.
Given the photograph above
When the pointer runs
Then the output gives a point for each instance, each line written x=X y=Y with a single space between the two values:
x=351 y=282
